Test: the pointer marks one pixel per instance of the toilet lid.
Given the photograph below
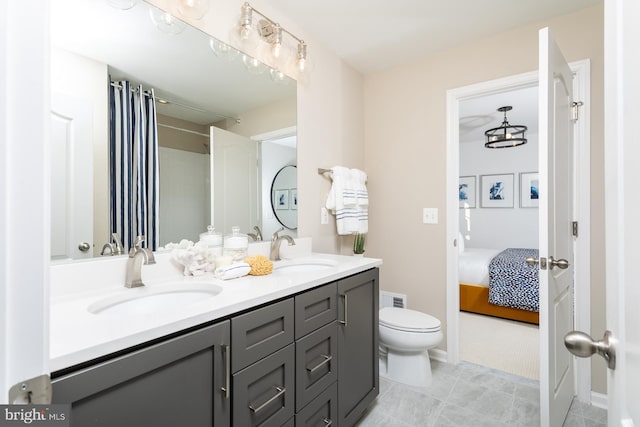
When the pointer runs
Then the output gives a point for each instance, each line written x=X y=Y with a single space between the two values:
x=408 y=320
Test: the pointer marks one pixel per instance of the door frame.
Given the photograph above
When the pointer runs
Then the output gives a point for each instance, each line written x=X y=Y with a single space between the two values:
x=582 y=190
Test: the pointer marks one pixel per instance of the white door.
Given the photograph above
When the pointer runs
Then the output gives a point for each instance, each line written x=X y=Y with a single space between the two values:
x=71 y=178
x=622 y=157
x=234 y=181
x=556 y=239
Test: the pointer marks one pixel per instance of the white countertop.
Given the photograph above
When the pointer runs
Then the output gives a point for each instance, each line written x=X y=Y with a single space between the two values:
x=77 y=335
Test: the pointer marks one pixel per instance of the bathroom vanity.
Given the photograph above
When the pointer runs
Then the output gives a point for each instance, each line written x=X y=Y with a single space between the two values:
x=301 y=351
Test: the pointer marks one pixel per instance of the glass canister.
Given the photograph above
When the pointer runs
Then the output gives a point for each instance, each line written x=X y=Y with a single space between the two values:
x=212 y=240
x=236 y=245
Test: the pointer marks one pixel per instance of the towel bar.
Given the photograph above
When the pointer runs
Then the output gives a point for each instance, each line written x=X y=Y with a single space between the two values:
x=322 y=171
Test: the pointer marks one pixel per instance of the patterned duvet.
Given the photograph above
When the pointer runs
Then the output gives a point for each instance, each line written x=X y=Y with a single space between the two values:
x=513 y=283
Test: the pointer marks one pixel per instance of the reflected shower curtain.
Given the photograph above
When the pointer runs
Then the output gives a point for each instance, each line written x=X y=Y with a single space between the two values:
x=134 y=176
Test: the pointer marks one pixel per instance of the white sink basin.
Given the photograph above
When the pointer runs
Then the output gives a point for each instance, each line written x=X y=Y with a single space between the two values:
x=303 y=265
x=148 y=300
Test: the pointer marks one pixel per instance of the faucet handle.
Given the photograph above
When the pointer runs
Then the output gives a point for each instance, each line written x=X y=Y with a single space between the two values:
x=118 y=243
x=275 y=233
x=137 y=245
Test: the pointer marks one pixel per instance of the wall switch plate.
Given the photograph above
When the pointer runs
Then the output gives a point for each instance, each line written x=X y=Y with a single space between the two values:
x=324 y=216
x=430 y=215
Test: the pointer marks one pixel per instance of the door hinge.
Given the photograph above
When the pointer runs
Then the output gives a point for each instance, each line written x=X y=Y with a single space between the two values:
x=34 y=391
x=574 y=228
x=575 y=109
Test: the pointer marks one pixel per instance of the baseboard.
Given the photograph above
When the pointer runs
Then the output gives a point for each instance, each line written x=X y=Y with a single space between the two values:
x=438 y=354
x=599 y=400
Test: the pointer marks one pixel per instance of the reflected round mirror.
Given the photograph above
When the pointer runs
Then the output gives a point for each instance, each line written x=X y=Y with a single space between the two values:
x=284 y=196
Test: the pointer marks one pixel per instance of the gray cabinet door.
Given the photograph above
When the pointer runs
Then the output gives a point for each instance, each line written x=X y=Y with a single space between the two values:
x=181 y=381
x=315 y=308
x=322 y=411
x=358 y=382
x=260 y=332
x=316 y=363
x=263 y=393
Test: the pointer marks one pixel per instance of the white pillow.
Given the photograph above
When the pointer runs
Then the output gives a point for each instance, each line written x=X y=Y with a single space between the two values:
x=460 y=243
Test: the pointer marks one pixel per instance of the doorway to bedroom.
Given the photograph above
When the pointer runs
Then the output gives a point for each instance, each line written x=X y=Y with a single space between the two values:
x=492 y=346
x=498 y=228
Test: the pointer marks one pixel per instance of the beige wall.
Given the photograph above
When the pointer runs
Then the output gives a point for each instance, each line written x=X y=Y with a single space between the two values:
x=405 y=154
x=400 y=113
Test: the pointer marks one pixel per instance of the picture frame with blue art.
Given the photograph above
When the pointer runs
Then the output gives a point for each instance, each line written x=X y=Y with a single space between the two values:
x=467 y=192
x=497 y=191
x=529 y=190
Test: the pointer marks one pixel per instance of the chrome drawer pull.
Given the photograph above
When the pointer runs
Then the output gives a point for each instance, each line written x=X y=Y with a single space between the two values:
x=281 y=391
x=327 y=422
x=344 y=322
x=326 y=360
x=227 y=371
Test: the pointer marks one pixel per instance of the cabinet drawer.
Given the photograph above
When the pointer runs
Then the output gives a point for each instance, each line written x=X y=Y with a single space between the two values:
x=316 y=363
x=316 y=308
x=322 y=411
x=263 y=393
x=259 y=333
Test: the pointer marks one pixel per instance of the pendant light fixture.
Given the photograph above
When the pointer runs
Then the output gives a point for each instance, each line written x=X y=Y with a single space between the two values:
x=505 y=135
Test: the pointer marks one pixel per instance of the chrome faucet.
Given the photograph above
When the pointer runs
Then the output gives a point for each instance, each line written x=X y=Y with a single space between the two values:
x=114 y=248
x=276 y=241
x=257 y=236
x=137 y=256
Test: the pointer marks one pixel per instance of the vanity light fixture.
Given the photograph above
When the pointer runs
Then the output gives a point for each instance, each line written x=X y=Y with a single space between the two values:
x=194 y=9
x=272 y=33
x=222 y=49
x=505 y=135
x=166 y=22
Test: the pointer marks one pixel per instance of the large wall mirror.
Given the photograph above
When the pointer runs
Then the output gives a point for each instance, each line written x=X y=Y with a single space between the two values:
x=210 y=111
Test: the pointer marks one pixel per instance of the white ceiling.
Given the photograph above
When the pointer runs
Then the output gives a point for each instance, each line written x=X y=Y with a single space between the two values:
x=373 y=35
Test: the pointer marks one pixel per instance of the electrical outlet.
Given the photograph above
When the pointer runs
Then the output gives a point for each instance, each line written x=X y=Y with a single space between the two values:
x=430 y=215
x=324 y=216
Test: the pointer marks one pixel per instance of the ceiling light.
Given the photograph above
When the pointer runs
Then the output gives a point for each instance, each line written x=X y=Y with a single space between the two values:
x=505 y=135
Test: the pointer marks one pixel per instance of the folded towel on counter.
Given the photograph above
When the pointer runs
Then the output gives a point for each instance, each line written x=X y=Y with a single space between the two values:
x=232 y=271
x=348 y=200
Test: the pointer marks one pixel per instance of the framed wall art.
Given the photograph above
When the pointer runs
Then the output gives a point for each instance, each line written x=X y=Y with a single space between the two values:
x=467 y=192
x=529 y=190
x=282 y=199
x=497 y=191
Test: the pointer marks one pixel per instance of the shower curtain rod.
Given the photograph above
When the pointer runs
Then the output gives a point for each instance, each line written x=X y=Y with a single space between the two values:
x=183 y=130
x=166 y=101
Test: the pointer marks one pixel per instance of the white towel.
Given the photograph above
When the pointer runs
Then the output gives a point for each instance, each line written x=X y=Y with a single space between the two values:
x=348 y=200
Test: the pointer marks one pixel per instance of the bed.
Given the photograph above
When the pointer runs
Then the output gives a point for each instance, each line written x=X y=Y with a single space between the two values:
x=499 y=283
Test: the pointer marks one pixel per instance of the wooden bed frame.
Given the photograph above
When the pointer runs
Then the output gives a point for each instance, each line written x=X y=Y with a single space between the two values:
x=475 y=299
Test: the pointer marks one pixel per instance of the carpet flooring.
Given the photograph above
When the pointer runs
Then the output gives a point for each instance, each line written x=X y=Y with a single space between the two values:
x=501 y=344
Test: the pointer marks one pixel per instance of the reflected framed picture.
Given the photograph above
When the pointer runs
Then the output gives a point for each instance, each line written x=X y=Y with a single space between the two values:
x=467 y=192
x=293 y=203
x=281 y=199
x=496 y=191
x=529 y=190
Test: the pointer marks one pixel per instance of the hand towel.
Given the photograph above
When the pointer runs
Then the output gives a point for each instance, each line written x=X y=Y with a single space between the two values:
x=346 y=214
x=359 y=182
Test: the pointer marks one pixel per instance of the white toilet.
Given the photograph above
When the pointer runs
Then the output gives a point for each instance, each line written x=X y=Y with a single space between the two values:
x=405 y=337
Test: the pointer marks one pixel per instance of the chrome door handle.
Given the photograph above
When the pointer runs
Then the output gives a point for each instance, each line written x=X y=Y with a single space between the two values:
x=582 y=345
x=560 y=263
x=531 y=261
x=344 y=322
x=84 y=246
x=226 y=350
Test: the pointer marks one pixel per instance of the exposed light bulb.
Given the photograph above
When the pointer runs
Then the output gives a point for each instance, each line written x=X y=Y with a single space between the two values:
x=303 y=64
x=166 y=22
x=253 y=65
x=279 y=77
x=194 y=9
x=223 y=50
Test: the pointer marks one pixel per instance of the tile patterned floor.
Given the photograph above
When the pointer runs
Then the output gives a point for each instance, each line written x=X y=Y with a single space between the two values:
x=468 y=395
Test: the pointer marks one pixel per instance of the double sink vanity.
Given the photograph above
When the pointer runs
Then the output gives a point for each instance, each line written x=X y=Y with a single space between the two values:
x=297 y=347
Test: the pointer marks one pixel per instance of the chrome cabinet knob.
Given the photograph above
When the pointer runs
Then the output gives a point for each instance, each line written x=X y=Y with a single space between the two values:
x=84 y=246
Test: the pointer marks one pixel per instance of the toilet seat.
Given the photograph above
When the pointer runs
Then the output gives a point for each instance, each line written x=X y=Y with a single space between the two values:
x=403 y=319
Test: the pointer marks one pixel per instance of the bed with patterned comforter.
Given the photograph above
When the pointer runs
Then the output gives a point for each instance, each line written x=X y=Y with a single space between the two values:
x=513 y=283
